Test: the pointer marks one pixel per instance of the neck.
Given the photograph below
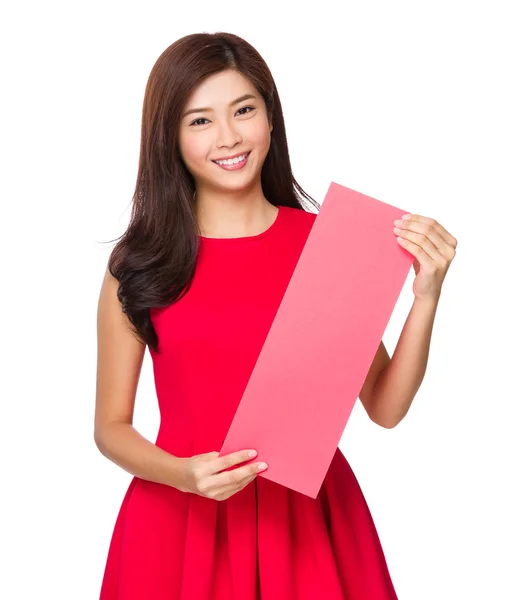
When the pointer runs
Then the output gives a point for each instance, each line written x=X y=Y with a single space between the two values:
x=233 y=217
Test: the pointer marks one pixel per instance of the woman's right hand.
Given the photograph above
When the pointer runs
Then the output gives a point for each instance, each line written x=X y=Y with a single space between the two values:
x=205 y=475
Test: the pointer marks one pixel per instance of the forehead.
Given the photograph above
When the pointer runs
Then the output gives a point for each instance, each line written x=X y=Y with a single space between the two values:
x=220 y=89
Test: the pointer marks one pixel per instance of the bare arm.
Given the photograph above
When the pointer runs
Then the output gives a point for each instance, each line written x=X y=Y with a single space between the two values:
x=380 y=362
x=394 y=387
x=120 y=357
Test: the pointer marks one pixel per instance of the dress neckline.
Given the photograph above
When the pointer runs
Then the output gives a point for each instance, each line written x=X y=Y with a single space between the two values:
x=246 y=238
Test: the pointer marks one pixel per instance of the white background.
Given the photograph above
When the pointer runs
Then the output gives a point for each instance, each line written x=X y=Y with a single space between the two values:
x=424 y=105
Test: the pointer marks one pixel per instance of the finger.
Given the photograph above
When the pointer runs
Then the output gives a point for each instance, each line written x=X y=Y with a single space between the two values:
x=444 y=234
x=407 y=238
x=235 y=476
x=437 y=248
x=230 y=460
x=425 y=260
x=231 y=489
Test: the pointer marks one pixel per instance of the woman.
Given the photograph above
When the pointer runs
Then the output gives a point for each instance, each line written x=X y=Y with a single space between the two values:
x=216 y=231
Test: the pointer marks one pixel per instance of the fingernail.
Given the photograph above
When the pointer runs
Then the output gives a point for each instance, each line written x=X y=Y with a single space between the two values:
x=406 y=217
x=252 y=453
x=261 y=466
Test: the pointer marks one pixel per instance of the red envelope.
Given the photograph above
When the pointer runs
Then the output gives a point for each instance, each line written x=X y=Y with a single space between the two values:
x=322 y=342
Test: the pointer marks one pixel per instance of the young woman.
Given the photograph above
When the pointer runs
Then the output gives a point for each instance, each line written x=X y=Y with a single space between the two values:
x=216 y=231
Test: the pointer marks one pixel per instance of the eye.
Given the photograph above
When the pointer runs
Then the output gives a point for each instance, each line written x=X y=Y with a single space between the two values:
x=196 y=121
x=204 y=119
x=250 y=107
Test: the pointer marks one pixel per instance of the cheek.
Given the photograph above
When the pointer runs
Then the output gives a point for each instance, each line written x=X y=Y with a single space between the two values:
x=260 y=138
x=194 y=151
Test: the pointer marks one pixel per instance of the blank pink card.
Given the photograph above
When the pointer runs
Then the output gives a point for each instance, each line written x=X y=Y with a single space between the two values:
x=322 y=341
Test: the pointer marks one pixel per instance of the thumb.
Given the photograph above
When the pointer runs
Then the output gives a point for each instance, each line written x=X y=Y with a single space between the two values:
x=211 y=455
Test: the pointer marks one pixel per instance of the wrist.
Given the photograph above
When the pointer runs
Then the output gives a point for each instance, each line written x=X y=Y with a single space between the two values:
x=179 y=480
x=429 y=301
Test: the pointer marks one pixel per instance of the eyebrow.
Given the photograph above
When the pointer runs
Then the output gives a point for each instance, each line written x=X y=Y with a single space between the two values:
x=208 y=109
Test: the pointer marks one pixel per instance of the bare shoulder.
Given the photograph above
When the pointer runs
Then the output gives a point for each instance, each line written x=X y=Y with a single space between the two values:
x=119 y=360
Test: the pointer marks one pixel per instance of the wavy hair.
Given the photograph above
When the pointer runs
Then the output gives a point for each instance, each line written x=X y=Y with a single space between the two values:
x=155 y=259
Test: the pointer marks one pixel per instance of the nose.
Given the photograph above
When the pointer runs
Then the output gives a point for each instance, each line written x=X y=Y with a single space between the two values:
x=228 y=135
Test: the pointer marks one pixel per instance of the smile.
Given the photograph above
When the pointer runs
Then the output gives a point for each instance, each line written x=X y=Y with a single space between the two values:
x=234 y=163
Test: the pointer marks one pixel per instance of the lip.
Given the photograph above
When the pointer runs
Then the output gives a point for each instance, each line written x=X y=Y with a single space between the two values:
x=230 y=157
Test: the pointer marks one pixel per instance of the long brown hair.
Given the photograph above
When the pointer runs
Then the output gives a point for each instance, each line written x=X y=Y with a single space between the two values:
x=154 y=260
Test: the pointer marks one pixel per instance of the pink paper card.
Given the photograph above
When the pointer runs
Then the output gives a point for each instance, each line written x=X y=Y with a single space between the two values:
x=322 y=341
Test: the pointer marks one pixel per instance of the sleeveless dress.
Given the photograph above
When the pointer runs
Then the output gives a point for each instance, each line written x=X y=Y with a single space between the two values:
x=266 y=541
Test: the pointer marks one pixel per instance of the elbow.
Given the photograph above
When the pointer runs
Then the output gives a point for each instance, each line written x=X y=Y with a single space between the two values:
x=387 y=414
x=104 y=432
x=99 y=438
x=387 y=421
x=388 y=424
x=385 y=424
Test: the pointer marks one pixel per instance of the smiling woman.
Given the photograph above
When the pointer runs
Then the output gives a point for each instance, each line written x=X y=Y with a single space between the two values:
x=234 y=135
x=214 y=159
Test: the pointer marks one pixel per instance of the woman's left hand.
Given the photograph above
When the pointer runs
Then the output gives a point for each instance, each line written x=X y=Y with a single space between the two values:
x=433 y=248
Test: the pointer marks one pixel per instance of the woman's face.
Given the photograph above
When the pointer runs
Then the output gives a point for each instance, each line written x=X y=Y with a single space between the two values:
x=224 y=128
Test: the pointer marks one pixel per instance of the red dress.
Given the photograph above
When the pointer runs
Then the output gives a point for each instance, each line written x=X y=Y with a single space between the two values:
x=266 y=541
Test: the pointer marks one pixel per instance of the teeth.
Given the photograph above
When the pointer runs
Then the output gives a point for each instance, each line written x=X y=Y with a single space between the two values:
x=232 y=161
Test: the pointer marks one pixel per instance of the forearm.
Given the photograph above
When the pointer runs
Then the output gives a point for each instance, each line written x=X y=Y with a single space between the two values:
x=399 y=381
x=125 y=446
